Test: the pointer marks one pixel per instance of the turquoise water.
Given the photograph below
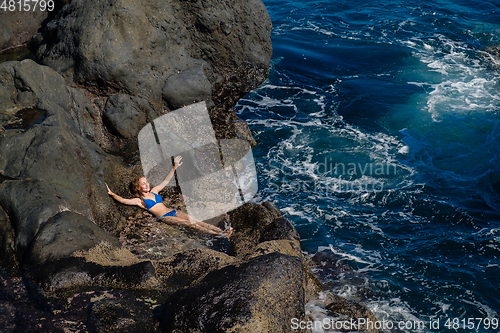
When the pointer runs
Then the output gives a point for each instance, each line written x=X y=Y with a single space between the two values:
x=378 y=135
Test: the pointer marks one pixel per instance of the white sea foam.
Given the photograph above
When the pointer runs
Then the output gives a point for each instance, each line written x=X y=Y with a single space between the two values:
x=489 y=312
x=293 y=212
x=467 y=83
x=396 y=311
x=348 y=256
x=380 y=148
x=392 y=310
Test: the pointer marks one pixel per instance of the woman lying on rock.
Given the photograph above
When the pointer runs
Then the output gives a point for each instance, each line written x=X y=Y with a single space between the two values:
x=149 y=199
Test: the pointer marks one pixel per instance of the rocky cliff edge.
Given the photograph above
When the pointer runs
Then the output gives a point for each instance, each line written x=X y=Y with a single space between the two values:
x=74 y=260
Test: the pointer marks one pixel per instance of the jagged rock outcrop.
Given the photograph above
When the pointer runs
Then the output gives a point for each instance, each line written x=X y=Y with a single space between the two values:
x=261 y=289
x=241 y=298
x=184 y=51
x=146 y=50
x=52 y=166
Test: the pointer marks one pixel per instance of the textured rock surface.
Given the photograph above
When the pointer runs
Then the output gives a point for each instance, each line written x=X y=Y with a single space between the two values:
x=250 y=221
x=187 y=87
x=17 y=27
x=73 y=273
x=141 y=47
x=52 y=166
x=113 y=314
x=151 y=239
x=239 y=298
x=8 y=258
x=238 y=295
x=124 y=114
x=23 y=309
x=63 y=235
x=183 y=268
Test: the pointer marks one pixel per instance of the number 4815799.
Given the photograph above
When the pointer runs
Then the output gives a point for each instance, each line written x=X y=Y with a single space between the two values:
x=27 y=5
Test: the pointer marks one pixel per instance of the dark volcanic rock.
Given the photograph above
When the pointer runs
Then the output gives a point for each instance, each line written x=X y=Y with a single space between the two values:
x=261 y=230
x=26 y=83
x=17 y=27
x=255 y=224
x=183 y=268
x=279 y=228
x=28 y=215
x=262 y=295
x=7 y=248
x=61 y=185
x=82 y=310
x=126 y=45
x=151 y=239
x=339 y=306
x=63 y=235
x=51 y=167
x=124 y=314
x=77 y=272
x=124 y=114
x=141 y=47
x=187 y=87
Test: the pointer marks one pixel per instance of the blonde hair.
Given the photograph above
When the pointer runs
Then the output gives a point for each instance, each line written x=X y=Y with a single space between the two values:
x=135 y=188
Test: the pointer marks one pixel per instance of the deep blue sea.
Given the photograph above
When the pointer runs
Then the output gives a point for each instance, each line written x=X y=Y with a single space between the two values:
x=378 y=135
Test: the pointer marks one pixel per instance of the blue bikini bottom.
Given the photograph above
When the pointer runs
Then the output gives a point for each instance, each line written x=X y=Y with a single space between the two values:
x=171 y=213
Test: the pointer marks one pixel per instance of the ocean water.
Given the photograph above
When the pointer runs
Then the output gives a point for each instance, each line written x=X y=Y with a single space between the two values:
x=378 y=135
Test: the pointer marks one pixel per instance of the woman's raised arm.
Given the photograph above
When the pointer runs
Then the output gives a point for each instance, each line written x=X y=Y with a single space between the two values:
x=159 y=187
x=131 y=202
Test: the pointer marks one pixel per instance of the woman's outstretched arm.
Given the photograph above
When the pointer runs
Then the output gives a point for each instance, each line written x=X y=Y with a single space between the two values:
x=130 y=202
x=159 y=187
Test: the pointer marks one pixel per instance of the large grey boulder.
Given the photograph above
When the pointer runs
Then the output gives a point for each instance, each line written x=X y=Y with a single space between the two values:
x=26 y=84
x=139 y=47
x=29 y=204
x=63 y=235
x=261 y=295
x=51 y=166
x=251 y=222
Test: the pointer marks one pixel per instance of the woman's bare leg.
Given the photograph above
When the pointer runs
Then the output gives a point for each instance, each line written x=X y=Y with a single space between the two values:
x=199 y=225
x=187 y=217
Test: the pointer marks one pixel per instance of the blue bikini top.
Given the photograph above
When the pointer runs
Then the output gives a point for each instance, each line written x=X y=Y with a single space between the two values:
x=150 y=202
